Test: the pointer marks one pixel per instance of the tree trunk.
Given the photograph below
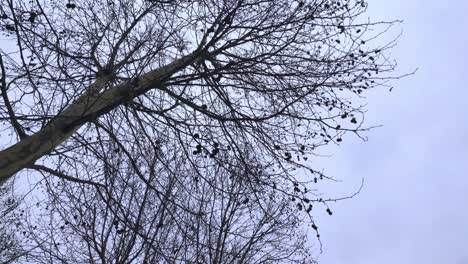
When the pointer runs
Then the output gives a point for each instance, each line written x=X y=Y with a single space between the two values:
x=95 y=102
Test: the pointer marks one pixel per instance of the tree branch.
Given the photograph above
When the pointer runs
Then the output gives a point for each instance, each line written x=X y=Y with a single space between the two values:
x=16 y=125
x=63 y=176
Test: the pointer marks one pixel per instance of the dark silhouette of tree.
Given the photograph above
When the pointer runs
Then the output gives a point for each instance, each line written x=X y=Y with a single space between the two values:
x=220 y=217
x=104 y=101
x=11 y=217
x=238 y=72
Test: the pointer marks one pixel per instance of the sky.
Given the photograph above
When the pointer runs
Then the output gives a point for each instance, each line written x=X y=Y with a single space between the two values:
x=414 y=204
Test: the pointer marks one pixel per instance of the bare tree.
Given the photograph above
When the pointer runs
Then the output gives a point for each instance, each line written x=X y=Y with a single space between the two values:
x=11 y=216
x=273 y=75
x=180 y=218
x=95 y=93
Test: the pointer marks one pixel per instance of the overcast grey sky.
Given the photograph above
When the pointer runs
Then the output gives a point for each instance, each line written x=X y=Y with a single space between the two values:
x=414 y=206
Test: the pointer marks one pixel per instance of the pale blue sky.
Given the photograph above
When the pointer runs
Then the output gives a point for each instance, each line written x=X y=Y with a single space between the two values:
x=414 y=206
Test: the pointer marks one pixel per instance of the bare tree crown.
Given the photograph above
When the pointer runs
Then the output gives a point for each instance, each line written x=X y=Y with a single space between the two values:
x=247 y=86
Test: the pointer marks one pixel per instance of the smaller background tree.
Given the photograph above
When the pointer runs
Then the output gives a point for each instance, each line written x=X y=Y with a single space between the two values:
x=11 y=216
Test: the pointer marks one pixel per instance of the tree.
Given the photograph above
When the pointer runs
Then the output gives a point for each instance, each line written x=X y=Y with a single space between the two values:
x=235 y=72
x=10 y=243
x=250 y=87
x=219 y=218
